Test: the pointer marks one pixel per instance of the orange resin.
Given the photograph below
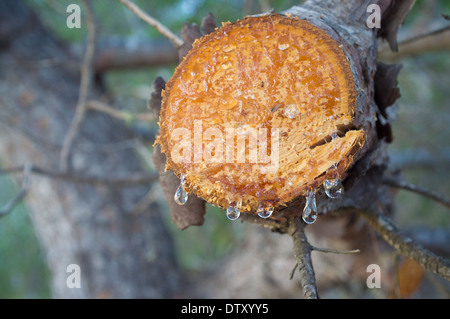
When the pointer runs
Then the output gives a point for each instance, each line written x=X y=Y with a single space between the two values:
x=259 y=111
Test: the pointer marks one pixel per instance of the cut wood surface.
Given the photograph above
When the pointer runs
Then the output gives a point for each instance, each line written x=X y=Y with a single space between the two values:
x=260 y=111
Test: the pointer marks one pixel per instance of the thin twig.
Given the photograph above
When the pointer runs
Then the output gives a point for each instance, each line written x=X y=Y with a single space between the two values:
x=335 y=251
x=86 y=75
x=21 y=194
x=176 y=41
x=418 y=157
x=302 y=252
x=121 y=115
x=132 y=179
x=141 y=206
x=425 y=35
x=435 y=40
x=404 y=244
x=418 y=189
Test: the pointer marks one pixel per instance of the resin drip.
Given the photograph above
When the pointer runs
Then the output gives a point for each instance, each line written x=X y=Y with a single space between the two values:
x=309 y=215
x=181 y=196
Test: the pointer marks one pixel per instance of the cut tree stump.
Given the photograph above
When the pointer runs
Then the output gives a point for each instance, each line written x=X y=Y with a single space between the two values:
x=261 y=111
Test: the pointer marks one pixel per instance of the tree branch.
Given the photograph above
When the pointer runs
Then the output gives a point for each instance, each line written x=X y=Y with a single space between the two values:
x=418 y=157
x=436 y=40
x=123 y=57
x=404 y=244
x=335 y=251
x=145 y=202
x=302 y=252
x=176 y=41
x=86 y=76
x=121 y=115
x=132 y=179
x=417 y=189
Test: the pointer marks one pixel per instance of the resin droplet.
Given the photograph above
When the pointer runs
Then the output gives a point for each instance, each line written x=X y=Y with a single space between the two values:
x=333 y=187
x=233 y=211
x=334 y=135
x=291 y=111
x=228 y=48
x=310 y=211
x=265 y=210
x=283 y=46
x=181 y=196
x=226 y=65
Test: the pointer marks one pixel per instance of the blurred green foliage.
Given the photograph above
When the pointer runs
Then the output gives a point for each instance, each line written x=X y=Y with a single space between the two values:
x=423 y=122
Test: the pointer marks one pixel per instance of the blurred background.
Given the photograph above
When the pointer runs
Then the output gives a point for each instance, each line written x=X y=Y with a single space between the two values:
x=421 y=145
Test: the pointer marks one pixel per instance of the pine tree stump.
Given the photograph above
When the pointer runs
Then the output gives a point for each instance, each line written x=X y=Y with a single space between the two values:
x=263 y=110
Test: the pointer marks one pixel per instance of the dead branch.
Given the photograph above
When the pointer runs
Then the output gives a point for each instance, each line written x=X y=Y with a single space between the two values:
x=436 y=40
x=149 y=54
x=417 y=189
x=302 y=252
x=132 y=179
x=335 y=251
x=86 y=76
x=404 y=244
x=140 y=207
x=420 y=158
x=176 y=41
x=121 y=115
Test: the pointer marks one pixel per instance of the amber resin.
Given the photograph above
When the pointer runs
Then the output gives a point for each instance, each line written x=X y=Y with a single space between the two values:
x=261 y=110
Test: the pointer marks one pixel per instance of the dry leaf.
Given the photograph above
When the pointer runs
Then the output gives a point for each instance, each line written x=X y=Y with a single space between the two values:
x=410 y=276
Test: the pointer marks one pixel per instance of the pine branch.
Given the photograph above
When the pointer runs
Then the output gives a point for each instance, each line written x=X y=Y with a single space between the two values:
x=418 y=189
x=335 y=251
x=435 y=40
x=121 y=115
x=302 y=252
x=404 y=244
x=132 y=179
